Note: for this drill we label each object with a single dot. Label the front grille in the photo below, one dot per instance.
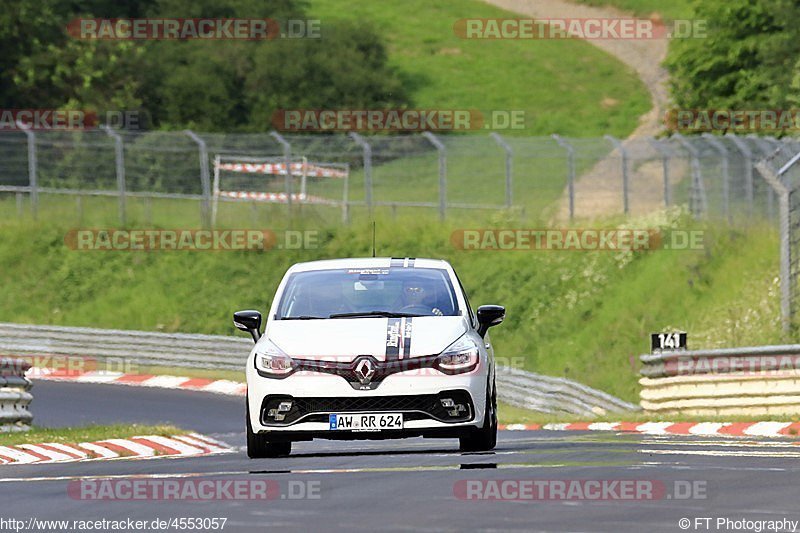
(417, 407)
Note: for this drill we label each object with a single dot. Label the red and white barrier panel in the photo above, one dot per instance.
(715, 429)
(144, 447)
(219, 386)
(275, 197)
(279, 169)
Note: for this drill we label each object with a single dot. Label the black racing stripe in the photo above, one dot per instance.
(393, 339)
(407, 337)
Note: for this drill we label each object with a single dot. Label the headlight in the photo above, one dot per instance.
(271, 360)
(461, 356)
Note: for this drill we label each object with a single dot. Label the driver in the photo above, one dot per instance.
(416, 295)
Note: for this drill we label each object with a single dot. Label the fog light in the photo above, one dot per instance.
(278, 418)
(272, 412)
(447, 402)
(284, 406)
(453, 412)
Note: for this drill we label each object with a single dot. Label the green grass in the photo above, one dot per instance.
(669, 9)
(565, 86)
(582, 315)
(77, 435)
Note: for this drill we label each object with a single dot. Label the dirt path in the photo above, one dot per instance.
(598, 190)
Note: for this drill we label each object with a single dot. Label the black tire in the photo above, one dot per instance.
(259, 447)
(485, 438)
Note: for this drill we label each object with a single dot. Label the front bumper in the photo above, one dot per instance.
(315, 396)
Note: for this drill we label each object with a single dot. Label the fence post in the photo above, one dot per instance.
(442, 171)
(570, 172)
(665, 154)
(747, 153)
(287, 160)
(726, 178)
(367, 155)
(33, 168)
(205, 181)
(215, 192)
(624, 161)
(509, 161)
(119, 161)
(698, 203)
(774, 180)
(768, 149)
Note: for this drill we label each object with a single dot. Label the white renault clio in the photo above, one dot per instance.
(370, 348)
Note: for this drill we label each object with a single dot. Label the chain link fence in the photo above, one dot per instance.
(547, 178)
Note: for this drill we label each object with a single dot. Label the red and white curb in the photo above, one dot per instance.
(219, 386)
(144, 447)
(235, 388)
(704, 429)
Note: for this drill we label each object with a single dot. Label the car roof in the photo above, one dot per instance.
(370, 262)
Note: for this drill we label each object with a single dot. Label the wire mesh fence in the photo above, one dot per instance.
(545, 177)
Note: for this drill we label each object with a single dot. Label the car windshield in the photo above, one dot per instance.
(360, 292)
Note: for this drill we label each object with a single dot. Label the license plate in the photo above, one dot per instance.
(366, 421)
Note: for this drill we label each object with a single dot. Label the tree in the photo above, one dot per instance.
(746, 60)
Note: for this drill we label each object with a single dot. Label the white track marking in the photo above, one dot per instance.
(766, 429)
(166, 382)
(224, 386)
(138, 449)
(654, 428)
(181, 447)
(102, 451)
(18, 455)
(706, 428)
(67, 449)
(604, 426)
(50, 454)
(99, 377)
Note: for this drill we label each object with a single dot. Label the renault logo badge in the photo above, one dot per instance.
(365, 369)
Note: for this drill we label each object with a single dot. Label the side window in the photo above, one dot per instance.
(471, 315)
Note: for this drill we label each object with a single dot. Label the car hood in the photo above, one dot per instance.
(347, 338)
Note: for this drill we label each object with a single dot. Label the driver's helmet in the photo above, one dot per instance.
(416, 291)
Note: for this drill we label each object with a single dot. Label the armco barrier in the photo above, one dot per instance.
(15, 395)
(555, 395)
(758, 380)
(516, 387)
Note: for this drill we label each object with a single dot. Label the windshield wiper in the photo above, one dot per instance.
(387, 314)
(303, 317)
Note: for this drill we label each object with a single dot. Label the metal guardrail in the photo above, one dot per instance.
(15, 395)
(136, 347)
(517, 387)
(756, 380)
(555, 395)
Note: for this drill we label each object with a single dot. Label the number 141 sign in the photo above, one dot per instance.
(667, 342)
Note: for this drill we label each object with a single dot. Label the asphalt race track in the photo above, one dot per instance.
(404, 485)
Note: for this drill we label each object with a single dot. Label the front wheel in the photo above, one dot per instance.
(485, 438)
(259, 447)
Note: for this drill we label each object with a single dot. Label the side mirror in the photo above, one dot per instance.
(249, 321)
(488, 316)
